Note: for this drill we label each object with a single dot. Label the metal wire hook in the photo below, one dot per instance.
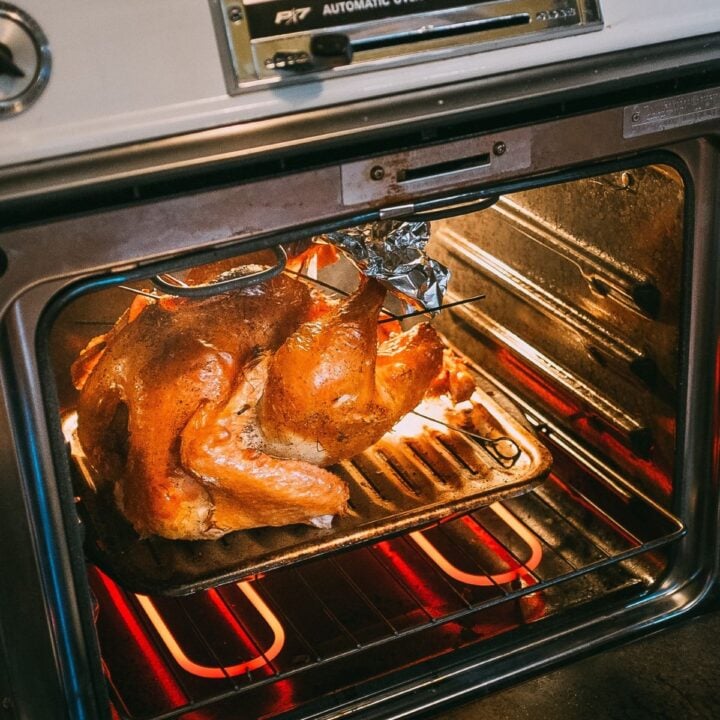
(493, 446)
(445, 306)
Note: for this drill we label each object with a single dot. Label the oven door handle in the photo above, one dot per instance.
(173, 286)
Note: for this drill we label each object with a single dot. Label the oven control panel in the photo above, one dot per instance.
(284, 41)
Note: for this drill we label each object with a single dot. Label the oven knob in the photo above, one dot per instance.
(24, 60)
(7, 64)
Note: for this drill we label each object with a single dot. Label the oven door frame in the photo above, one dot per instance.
(54, 663)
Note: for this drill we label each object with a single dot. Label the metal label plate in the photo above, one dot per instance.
(441, 167)
(669, 113)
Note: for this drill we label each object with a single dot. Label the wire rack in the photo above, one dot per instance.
(397, 602)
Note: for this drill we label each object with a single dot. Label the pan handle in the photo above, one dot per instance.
(173, 286)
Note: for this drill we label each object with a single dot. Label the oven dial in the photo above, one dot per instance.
(24, 60)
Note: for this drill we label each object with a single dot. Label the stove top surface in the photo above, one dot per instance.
(132, 71)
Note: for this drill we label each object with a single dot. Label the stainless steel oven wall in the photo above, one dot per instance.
(46, 611)
(582, 304)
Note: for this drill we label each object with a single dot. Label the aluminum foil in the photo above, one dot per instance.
(393, 252)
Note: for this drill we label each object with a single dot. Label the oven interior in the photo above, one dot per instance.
(578, 335)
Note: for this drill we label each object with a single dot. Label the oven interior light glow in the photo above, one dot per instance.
(414, 425)
(584, 423)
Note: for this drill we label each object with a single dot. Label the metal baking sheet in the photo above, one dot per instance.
(420, 474)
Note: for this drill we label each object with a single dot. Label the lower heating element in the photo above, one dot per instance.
(272, 644)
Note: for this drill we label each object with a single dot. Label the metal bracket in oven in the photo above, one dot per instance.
(436, 168)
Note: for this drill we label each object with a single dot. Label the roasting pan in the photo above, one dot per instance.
(420, 473)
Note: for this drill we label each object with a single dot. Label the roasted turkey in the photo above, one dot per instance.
(208, 416)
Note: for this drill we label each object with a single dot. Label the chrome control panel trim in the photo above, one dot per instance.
(275, 42)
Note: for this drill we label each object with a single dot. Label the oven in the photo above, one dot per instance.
(560, 159)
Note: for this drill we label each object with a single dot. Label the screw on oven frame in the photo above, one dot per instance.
(235, 13)
(635, 117)
(499, 148)
(377, 172)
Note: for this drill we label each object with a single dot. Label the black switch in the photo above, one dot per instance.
(7, 66)
(331, 49)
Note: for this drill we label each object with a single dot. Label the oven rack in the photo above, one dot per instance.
(594, 541)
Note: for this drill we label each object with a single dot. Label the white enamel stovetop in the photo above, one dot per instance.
(138, 69)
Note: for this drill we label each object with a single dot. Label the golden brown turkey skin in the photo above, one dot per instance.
(331, 392)
(214, 415)
(154, 374)
(251, 488)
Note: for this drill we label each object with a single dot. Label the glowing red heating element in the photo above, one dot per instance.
(218, 672)
(520, 571)
(523, 570)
